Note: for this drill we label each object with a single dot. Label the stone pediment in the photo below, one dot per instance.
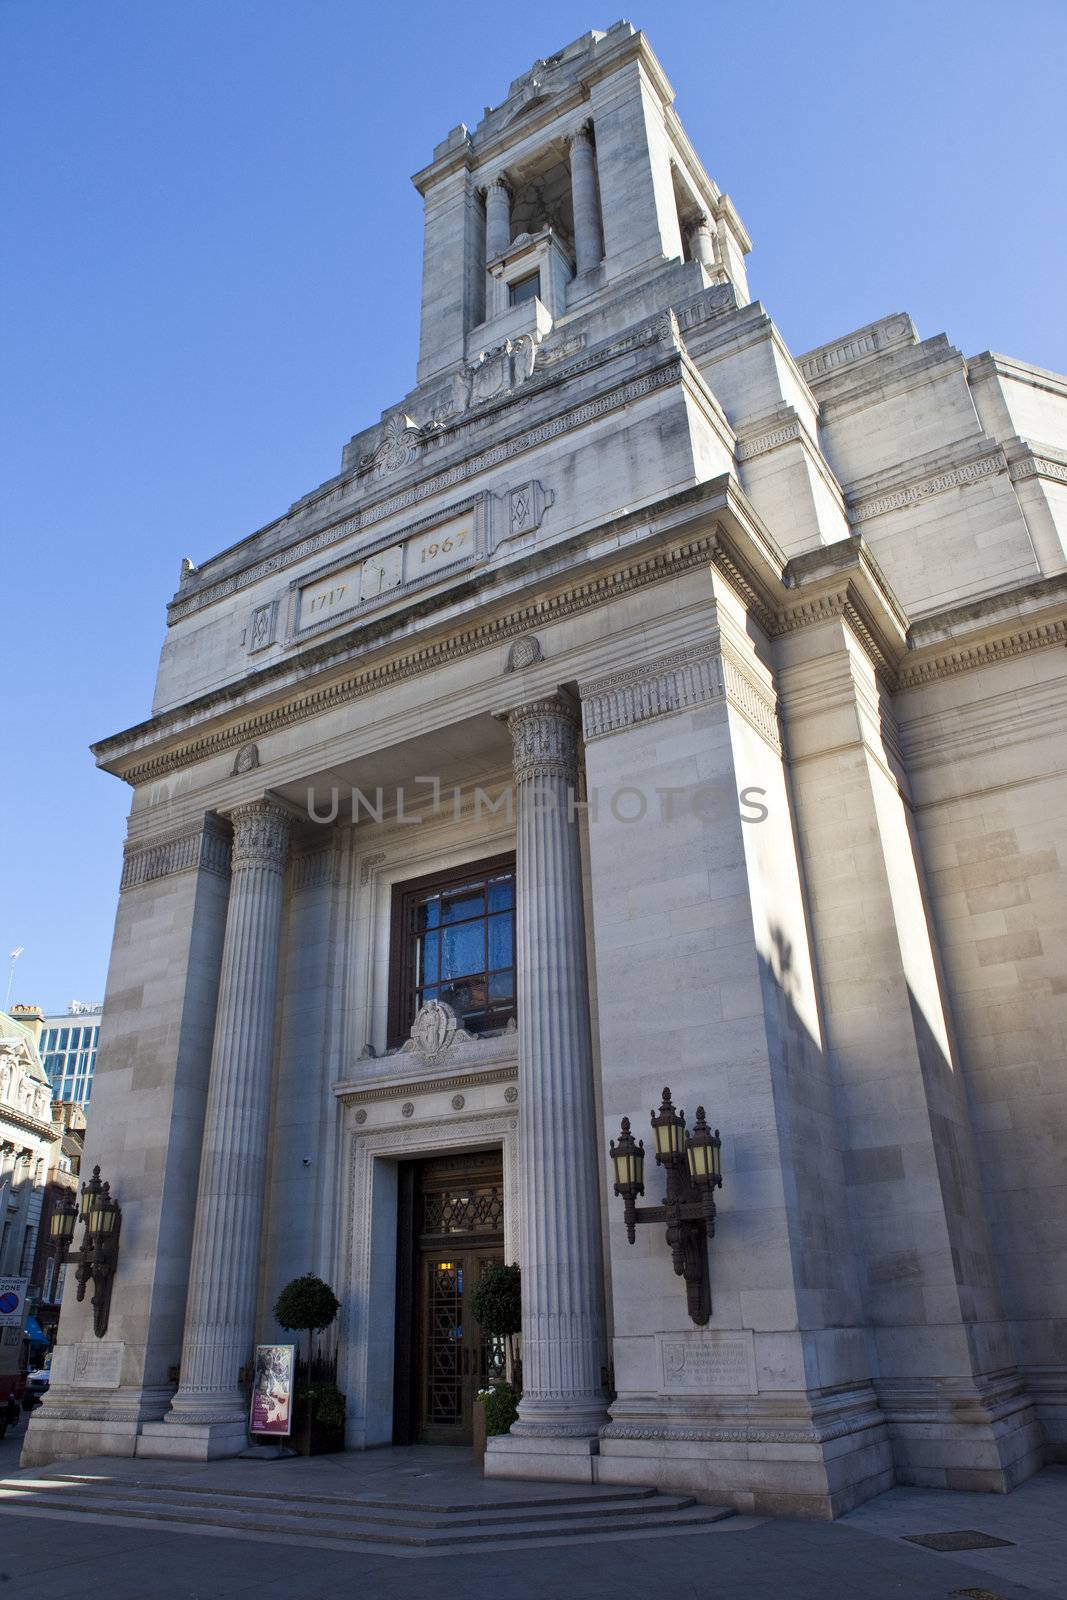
(438, 1048)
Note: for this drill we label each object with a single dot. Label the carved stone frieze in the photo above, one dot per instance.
(314, 868)
(1037, 466)
(260, 835)
(956, 477)
(758, 444)
(204, 849)
(427, 488)
(701, 674)
(856, 347)
(675, 682)
(607, 587)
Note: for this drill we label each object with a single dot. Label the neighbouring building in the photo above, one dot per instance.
(68, 1048)
(49, 1270)
(27, 1138)
(640, 704)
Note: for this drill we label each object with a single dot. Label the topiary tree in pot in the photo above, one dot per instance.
(307, 1304)
(497, 1304)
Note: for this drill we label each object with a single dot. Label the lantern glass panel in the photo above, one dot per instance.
(103, 1219)
(699, 1161)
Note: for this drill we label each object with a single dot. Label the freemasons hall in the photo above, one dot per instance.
(647, 722)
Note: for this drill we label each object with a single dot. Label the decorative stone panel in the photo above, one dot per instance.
(205, 849)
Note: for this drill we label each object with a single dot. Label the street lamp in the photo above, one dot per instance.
(101, 1218)
(694, 1171)
(63, 1221)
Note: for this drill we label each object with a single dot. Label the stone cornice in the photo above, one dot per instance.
(205, 849)
(829, 359)
(784, 427)
(844, 580)
(927, 484)
(980, 633)
(983, 653)
(1041, 463)
(355, 1092)
(989, 364)
(28, 1124)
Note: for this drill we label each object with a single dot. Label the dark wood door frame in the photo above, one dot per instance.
(441, 1178)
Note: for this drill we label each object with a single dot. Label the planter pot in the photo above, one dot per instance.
(311, 1438)
(479, 1431)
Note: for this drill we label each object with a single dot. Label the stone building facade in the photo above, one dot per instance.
(26, 1143)
(641, 703)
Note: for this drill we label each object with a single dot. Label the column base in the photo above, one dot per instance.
(74, 1423)
(976, 1434)
(566, 1459)
(816, 1457)
(192, 1441)
(1047, 1389)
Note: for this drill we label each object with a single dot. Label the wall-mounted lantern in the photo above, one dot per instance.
(694, 1172)
(101, 1217)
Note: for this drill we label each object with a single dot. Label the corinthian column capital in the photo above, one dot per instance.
(544, 738)
(260, 835)
(582, 136)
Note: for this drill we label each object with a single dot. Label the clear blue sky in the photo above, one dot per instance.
(210, 280)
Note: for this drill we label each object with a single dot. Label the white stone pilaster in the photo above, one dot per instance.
(588, 241)
(562, 1293)
(220, 1310)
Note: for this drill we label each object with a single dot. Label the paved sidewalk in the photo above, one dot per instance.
(861, 1557)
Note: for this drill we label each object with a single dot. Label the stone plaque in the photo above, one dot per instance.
(707, 1363)
(97, 1366)
(438, 547)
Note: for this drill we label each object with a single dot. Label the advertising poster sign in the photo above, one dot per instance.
(272, 1389)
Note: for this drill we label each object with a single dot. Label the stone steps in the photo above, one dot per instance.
(336, 1520)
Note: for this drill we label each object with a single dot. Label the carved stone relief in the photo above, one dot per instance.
(524, 653)
(435, 1029)
(260, 631)
(246, 759)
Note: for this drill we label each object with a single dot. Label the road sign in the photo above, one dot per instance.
(12, 1301)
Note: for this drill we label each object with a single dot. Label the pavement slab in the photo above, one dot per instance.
(864, 1556)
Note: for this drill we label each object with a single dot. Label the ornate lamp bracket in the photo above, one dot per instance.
(101, 1218)
(691, 1161)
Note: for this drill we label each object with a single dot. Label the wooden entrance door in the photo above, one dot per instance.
(451, 1217)
(457, 1360)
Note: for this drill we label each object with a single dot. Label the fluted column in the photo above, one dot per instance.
(497, 219)
(220, 1310)
(562, 1280)
(701, 244)
(588, 243)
